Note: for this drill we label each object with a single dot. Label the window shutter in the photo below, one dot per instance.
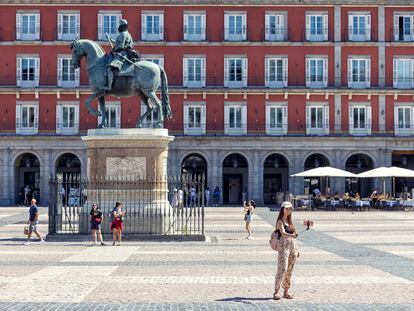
(36, 116)
(368, 26)
(285, 71)
(244, 26)
(77, 77)
(351, 120)
(78, 25)
(203, 118)
(100, 118)
(411, 119)
(326, 119)
(59, 77)
(396, 27)
(395, 73)
(244, 119)
(412, 28)
(185, 72)
(203, 72)
(325, 27)
(369, 120)
(307, 72)
(267, 120)
(226, 26)
(185, 26)
(350, 27)
(76, 118)
(325, 72)
(368, 72)
(18, 26)
(186, 111)
(18, 120)
(245, 71)
(349, 72)
(267, 71)
(118, 116)
(226, 72)
(58, 118)
(285, 119)
(267, 26)
(60, 26)
(203, 27)
(37, 71)
(412, 73)
(161, 26)
(18, 71)
(226, 120)
(308, 119)
(143, 29)
(37, 27)
(396, 119)
(119, 18)
(100, 27)
(280, 26)
(308, 27)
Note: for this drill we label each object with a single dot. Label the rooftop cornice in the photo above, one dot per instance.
(214, 2)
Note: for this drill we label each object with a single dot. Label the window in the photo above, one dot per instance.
(67, 75)
(317, 120)
(404, 27)
(359, 27)
(276, 71)
(317, 27)
(108, 23)
(151, 119)
(359, 72)
(67, 118)
(68, 26)
(316, 72)
(402, 120)
(360, 120)
(403, 73)
(235, 26)
(195, 119)
(194, 70)
(235, 72)
(27, 26)
(275, 27)
(27, 71)
(194, 26)
(276, 119)
(152, 26)
(159, 60)
(113, 115)
(235, 120)
(27, 118)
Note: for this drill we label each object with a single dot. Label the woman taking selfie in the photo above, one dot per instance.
(249, 208)
(287, 250)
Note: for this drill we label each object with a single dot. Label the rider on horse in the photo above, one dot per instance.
(122, 49)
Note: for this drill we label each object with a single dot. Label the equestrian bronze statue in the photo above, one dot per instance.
(122, 74)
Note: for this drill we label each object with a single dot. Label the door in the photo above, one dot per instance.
(271, 185)
(233, 185)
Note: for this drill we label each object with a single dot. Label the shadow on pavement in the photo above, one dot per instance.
(244, 299)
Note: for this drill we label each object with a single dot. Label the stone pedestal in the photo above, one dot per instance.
(129, 166)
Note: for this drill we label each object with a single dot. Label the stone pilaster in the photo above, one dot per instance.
(338, 112)
(381, 113)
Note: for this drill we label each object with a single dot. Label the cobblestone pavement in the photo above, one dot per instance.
(359, 261)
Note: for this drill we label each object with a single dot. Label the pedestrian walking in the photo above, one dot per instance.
(26, 195)
(33, 222)
(181, 199)
(21, 197)
(249, 207)
(288, 251)
(216, 196)
(192, 196)
(96, 221)
(207, 195)
(117, 223)
(174, 198)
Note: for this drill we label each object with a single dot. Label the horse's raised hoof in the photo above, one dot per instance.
(158, 126)
(138, 125)
(101, 126)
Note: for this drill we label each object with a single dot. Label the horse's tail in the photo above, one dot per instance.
(164, 95)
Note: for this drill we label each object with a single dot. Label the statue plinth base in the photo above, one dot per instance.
(129, 166)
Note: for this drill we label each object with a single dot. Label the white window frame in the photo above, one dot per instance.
(235, 84)
(403, 131)
(68, 36)
(24, 130)
(323, 36)
(406, 37)
(194, 36)
(19, 27)
(359, 84)
(360, 131)
(201, 130)
(282, 130)
(280, 31)
(117, 106)
(152, 36)
(19, 74)
(60, 129)
(148, 123)
(366, 35)
(235, 37)
(409, 83)
(235, 130)
(324, 129)
(284, 81)
(101, 30)
(158, 59)
(186, 74)
(60, 82)
(317, 84)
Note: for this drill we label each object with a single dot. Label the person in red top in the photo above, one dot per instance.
(117, 223)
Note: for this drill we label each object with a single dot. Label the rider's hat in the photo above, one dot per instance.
(123, 22)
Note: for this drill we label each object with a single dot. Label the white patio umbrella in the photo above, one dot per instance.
(384, 172)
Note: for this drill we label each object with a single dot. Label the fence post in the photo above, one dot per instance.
(52, 211)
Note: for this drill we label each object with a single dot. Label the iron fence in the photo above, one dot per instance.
(167, 207)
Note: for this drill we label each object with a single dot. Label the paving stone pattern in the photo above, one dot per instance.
(359, 261)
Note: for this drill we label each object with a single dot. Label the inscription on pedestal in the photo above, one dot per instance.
(126, 166)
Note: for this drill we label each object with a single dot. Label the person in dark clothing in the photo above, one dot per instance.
(96, 221)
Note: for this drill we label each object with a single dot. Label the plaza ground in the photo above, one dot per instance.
(359, 261)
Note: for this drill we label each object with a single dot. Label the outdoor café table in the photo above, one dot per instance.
(362, 203)
(407, 203)
(335, 202)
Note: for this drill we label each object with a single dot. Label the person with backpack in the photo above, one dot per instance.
(117, 215)
(249, 208)
(287, 252)
(96, 221)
